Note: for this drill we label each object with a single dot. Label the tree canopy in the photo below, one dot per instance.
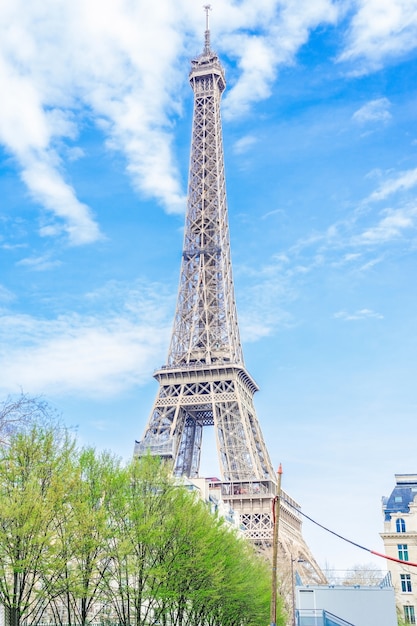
(87, 539)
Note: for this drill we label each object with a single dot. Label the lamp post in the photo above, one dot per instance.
(275, 515)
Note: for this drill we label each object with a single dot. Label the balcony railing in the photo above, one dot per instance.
(312, 617)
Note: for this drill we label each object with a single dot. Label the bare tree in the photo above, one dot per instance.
(363, 574)
(17, 413)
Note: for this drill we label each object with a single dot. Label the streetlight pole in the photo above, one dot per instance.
(275, 515)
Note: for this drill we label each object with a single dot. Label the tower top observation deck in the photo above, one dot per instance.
(207, 62)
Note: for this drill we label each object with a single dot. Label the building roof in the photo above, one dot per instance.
(403, 494)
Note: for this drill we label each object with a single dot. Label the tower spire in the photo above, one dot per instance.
(207, 9)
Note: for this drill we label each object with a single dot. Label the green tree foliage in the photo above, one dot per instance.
(137, 545)
(82, 537)
(176, 563)
(86, 539)
(33, 473)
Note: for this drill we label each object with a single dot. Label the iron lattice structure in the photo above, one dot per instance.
(205, 382)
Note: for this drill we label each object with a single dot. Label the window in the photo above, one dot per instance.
(405, 583)
(402, 551)
(400, 523)
(409, 615)
(398, 499)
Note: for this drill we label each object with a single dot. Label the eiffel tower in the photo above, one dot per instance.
(205, 381)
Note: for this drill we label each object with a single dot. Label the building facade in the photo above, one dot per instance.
(400, 541)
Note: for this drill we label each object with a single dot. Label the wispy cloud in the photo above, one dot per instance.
(10, 246)
(273, 212)
(243, 144)
(373, 111)
(402, 181)
(380, 30)
(264, 36)
(391, 226)
(344, 241)
(40, 263)
(122, 65)
(89, 354)
(351, 256)
(267, 293)
(371, 263)
(48, 188)
(6, 295)
(28, 131)
(52, 61)
(362, 314)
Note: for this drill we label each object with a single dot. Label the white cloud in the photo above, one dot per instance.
(351, 256)
(362, 314)
(116, 61)
(9, 246)
(273, 212)
(49, 189)
(39, 263)
(401, 182)
(92, 355)
(6, 295)
(27, 130)
(373, 111)
(281, 28)
(367, 227)
(123, 64)
(87, 357)
(370, 264)
(243, 144)
(390, 227)
(267, 292)
(380, 30)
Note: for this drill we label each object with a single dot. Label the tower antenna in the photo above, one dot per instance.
(207, 8)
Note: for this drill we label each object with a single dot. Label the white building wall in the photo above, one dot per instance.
(361, 606)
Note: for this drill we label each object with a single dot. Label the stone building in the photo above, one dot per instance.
(400, 541)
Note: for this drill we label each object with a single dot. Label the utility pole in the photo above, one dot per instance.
(275, 515)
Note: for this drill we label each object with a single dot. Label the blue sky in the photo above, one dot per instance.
(320, 138)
